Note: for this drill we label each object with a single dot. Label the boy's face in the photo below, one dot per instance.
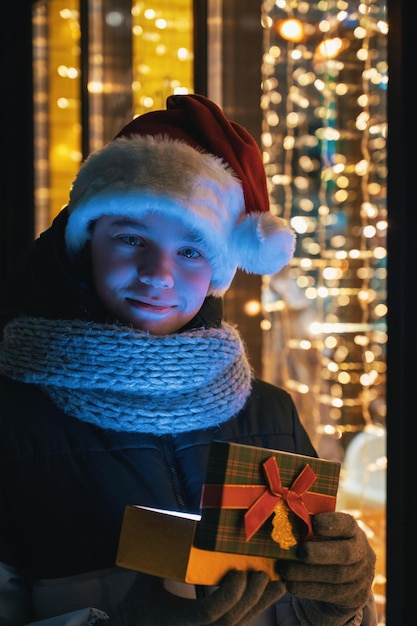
(149, 272)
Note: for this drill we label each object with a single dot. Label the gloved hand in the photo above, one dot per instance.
(333, 580)
(240, 597)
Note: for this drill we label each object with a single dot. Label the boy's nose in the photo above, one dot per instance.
(155, 280)
(157, 273)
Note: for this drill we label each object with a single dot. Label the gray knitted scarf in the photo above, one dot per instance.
(127, 380)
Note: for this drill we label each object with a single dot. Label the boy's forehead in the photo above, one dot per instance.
(148, 222)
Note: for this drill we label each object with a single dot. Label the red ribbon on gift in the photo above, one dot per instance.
(264, 506)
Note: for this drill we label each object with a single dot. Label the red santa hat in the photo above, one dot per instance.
(189, 161)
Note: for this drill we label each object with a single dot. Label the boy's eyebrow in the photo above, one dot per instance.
(126, 221)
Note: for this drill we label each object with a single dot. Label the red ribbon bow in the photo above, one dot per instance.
(264, 506)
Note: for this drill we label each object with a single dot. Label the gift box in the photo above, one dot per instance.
(257, 501)
(161, 543)
(256, 506)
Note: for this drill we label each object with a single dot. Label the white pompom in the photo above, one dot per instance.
(264, 243)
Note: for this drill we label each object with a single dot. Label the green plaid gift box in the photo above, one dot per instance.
(258, 502)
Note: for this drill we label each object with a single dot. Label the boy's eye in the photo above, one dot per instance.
(190, 253)
(131, 240)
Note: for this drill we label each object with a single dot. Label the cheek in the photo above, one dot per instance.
(198, 286)
(107, 273)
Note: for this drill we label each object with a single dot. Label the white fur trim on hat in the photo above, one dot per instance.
(141, 174)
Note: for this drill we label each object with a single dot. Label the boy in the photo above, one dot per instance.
(117, 372)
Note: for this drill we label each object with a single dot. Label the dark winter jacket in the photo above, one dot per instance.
(63, 478)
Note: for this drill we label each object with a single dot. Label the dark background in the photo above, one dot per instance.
(16, 232)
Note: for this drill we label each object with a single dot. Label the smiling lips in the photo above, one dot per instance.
(151, 306)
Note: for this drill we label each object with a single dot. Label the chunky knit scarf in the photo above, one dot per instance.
(127, 380)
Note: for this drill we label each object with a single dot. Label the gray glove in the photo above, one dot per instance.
(333, 581)
(240, 597)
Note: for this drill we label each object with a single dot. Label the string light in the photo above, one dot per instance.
(324, 141)
(163, 36)
(324, 144)
(290, 29)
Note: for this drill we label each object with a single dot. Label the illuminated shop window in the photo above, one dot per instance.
(97, 64)
(57, 104)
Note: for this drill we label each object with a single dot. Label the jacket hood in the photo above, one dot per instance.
(43, 284)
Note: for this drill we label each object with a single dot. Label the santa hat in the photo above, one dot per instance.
(189, 161)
